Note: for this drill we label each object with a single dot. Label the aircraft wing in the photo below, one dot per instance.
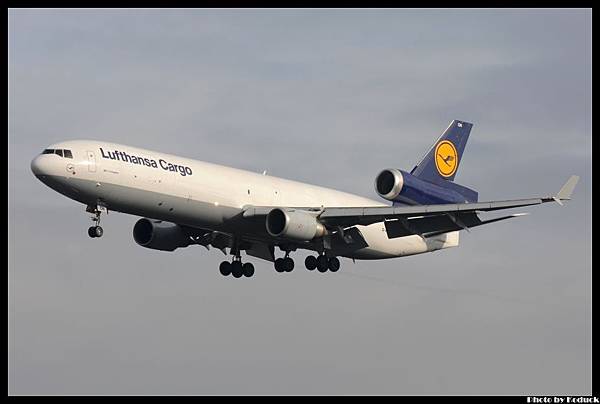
(424, 220)
(350, 216)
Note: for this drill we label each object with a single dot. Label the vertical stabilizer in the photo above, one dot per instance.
(441, 163)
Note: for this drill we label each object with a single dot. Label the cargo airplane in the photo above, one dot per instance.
(185, 202)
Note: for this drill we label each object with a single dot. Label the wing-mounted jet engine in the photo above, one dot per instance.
(293, 224)
(159, 235)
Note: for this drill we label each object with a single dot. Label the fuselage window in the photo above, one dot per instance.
(68, 154)
(59, 152)
(48, 151)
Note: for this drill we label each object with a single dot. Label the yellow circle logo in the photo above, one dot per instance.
(446, 158)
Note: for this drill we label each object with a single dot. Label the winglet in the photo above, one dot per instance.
(567, 189)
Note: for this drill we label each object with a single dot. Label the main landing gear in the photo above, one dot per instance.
(285, 264)
(95, 231)
(236, 268)
(322, 263)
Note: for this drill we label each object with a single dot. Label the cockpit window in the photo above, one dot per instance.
(59, 152)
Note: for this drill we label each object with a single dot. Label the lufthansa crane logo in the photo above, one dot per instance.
(446, 158)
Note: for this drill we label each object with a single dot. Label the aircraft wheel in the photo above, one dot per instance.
(225, 268)
(236, 269)
(279, 267)
(288, 264)
(322, 263)
(310, 262)
(248, 269)
(92, 232)
(333, 264)
(98, 231)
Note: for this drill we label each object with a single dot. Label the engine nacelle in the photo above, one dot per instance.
(400, 186)
(159, 235)
(389, 183)
(294, 225)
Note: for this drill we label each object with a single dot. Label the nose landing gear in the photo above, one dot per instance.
(96, 230)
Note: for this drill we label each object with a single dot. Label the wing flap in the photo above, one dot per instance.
(430, 226)
(427, 224)
(353, 240)
(369, 215)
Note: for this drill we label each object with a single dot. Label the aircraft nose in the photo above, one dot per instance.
(39, 166)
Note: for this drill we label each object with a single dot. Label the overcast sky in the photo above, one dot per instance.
(326, 97)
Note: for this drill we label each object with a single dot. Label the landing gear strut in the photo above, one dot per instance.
(95, 231)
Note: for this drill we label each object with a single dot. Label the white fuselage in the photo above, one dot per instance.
(199, 194)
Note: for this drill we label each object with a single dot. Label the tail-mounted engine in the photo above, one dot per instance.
(399, 186)
(389, 183)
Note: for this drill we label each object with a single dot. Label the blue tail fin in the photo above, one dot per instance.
(440, 164)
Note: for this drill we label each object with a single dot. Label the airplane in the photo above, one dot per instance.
(186, 202)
